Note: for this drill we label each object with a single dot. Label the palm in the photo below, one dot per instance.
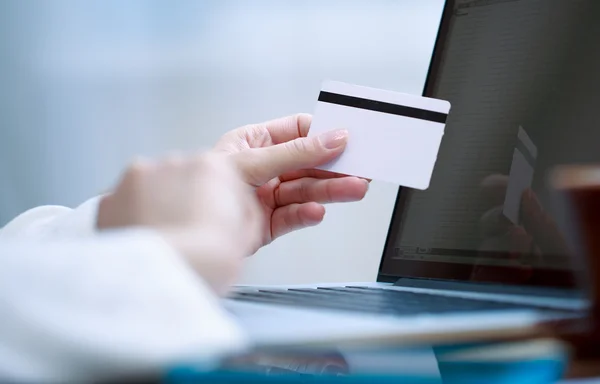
(273, 198)
(294, 199)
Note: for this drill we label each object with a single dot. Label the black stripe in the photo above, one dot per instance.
(380, 106)
(525, 152)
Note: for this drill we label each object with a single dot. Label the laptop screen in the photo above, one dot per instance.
(523, 78)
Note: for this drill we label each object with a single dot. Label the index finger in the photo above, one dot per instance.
(313, 173)
(288, 128)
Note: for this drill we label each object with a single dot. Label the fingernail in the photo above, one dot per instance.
(334, 139)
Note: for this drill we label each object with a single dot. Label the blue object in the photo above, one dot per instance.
(526, 372)
(543, 370)
(187, 376)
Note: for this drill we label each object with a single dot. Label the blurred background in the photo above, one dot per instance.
(87, 85)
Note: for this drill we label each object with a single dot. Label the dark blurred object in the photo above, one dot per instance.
(578, 188)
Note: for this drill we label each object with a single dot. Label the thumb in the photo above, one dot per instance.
(260, 165)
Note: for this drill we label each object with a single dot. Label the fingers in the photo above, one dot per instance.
(494, 223)
(269, 133)
(493, 190)
(307, 189)
(509, 247)
(313, 173)
(288, 128)
(295, 216)
(262, 164)
(541, 225)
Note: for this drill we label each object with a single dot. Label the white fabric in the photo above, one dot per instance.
(51, 221)
(77, 305)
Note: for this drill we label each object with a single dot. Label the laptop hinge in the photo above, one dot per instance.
(462, 286)
(410, 282)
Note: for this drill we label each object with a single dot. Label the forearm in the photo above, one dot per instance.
(106, 305)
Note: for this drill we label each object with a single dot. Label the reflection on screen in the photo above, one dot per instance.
(523, 81)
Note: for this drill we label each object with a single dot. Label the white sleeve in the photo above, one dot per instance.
(47, 222)
(104, 306)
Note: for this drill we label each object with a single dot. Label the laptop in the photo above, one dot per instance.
(482, 251)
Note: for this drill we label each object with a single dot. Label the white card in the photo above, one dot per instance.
(520, 176)
(393, 137)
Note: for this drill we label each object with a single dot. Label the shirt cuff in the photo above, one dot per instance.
(49, 222)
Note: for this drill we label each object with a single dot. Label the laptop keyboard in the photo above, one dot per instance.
(370, 300)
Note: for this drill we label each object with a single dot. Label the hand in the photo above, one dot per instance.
(278, 160)
(536, 237)
(199, 204)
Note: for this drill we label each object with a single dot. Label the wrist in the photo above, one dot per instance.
(209, 253)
